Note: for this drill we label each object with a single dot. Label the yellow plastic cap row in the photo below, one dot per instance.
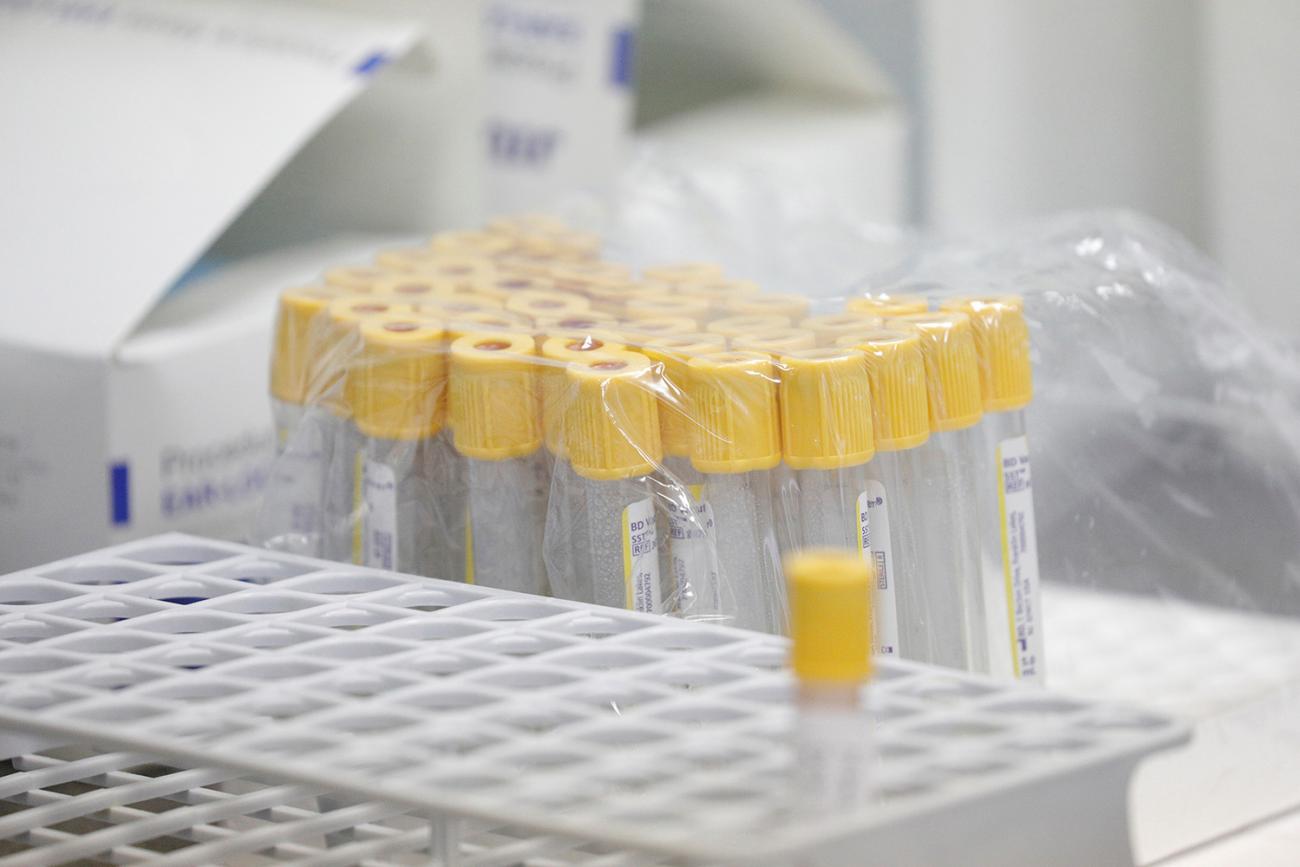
(737, 422)
(611, 425)
(830, 616)
(1002, 341)
(825, 409)
(952, 370)
(396, 384)
(494, 396)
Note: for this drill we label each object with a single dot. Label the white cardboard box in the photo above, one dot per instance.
(138, 130)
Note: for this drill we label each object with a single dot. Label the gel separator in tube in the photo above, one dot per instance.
(735, 444)
(1009, 539)
(496, 420)
(947, 488)
(601, 531)
(411, 514)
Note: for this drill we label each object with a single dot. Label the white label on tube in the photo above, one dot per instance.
(1020, 556)
(874, 544)
(641, 556)
(379, 493)
(691, 555)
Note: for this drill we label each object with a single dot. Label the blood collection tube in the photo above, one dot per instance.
(601, 533)
(1010, 543)
(735, 444)
(948, 485)
(495, 416)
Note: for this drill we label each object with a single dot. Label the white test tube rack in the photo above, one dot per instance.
(380, 713)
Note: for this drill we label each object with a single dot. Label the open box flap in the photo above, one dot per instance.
(138, 130)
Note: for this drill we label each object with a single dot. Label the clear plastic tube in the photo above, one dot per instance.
(291, 507)
(601, 540)
(507, 515)
(409, 518)
(1009, 548)
(749, 566)
(949, 593)
(898, 601)
(829, 504)
(687, 564)
(342, 446)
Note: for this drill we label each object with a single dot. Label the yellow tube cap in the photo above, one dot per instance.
(641, 331)
(535, 304)
(578, 276)
(674, 354)
(952, 370)
(611, 426)
(396, 384)
(683, 272)
(885, 305)
(720, 293)
(825, 409)
(495, 406)
(794, 307)
(493, 320)
(291, 359)
(1002, 341)
(356, 279)
(830, 616)
(735, 326)
(486, 244)
(660, 305)
(573, 323)
(900, 407)
(734, 400)
(831, 327)
(775, 341)
(558, 352)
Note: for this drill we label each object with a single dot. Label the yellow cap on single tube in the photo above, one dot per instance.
(292, 358)
(830, 616)
(641, 331)
(611, 425)
(735, 326)
(675, 354)
(734, 406)
(885, 305)
(1002, 341)
(825, 409)
(486, 244)
(830, 327)
(900, 406)
(683, 272)
(358, 279)
(460, 324)
(656, 306)
(495, 405)
(396, 384)
(719, 293)
(795, 307)
(775, 341)
(952, 371)
(558, 352)
(536, 304)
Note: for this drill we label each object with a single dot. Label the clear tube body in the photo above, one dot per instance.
(785, 509)
(507, 516)
(950, 586)
(1009, 548)
(833, 749)
(828, 504)
(687, 566)
(290, 512)
(342, 452)
(899, 617)
(601, 540)
(409, 517)
(751, 582)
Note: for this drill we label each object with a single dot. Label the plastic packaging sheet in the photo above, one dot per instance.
(652, 411)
